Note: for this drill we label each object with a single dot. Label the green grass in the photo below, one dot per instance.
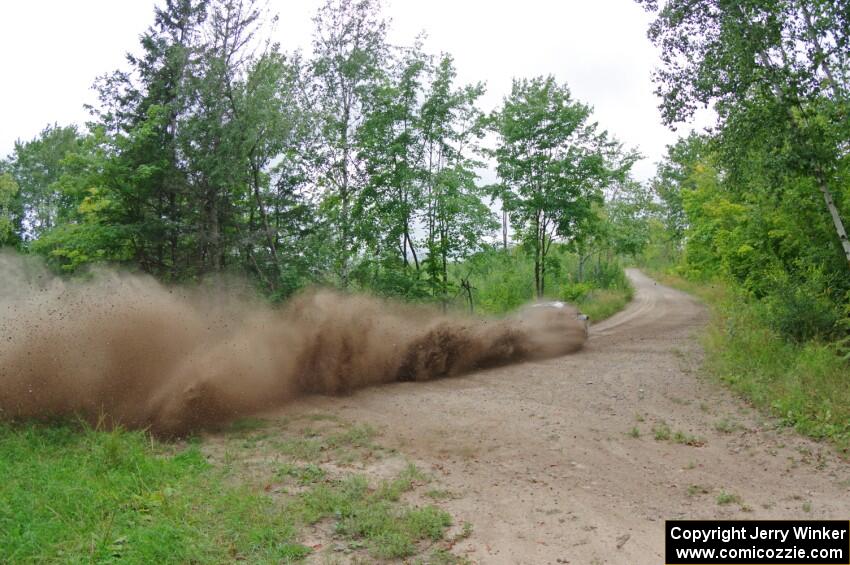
(503, 282)
(71, 494)
(687, 439)
(725, 498)
(300, 448)
(662, 432)
(604, 303)
(372, 515)
(804, 385)
(355, 436)
(696, 490)
(440, 494)
(345, 445)
(444, 557)
(726, 426)
(247, 425)
(306, 474)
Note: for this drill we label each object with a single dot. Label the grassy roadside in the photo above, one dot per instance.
(504, 281)
(71, 494)
(804, 385)
(604, 303)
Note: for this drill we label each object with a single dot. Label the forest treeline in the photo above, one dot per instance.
(760, 200)
(753, 210)
(357, 166)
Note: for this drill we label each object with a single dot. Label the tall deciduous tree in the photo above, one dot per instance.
(457, 221)
(674, 175)
(36, 167)
(349, 47)
(275, 146)
(8, 213)
(391, 150)
(554, 164)
(778, 74)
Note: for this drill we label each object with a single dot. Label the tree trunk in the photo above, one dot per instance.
(822, 185)
(173, 233)
(538, 250)
(836, 219)
(345, 196)
(827, 195)
(542, 275)
(537, 274)
(582, 259)
(344, 229)
(215, 236)
(504, 228)
(270, 237)
(445, 282)
(412, 251)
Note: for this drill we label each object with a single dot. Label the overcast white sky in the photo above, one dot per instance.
(51, 51)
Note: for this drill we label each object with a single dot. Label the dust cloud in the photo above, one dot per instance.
(123, 348)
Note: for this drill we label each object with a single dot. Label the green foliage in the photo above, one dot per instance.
(8, 201)
(800, 310)
(803, 384)
(77, 495)
(662, 432)
(457, 219)
(350, 48)
(625, 229)
(725, 498)
(553, 165)
(760, 201)
(772, 249)
(354, 168)
(674, 176)
(37, 167)
(372, 515)
(502, 281)
(572, 292)
(604, 303)
(416, 139)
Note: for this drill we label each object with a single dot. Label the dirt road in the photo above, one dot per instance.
(543, 458)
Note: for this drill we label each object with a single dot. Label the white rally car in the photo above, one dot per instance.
(584, 318)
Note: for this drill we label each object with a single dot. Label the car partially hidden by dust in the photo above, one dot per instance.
(567, 310)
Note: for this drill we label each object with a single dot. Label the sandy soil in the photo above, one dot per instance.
(544, 464)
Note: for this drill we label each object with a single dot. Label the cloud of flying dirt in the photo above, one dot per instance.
(175, 360)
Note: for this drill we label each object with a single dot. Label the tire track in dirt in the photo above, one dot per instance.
(542, 457)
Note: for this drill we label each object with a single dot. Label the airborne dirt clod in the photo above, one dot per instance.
(126, 348)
